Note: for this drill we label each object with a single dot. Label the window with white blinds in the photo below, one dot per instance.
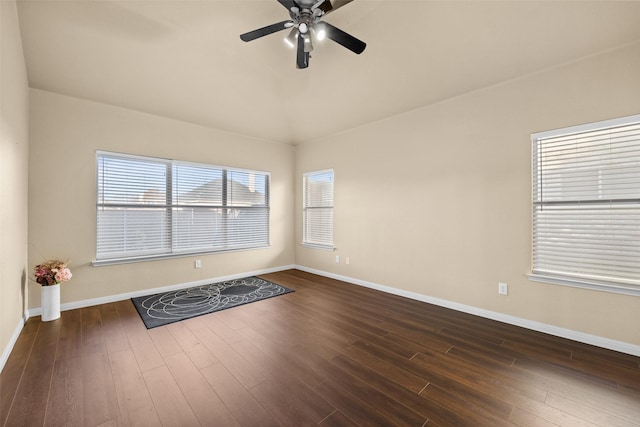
(317, 209)
(149, 208)
(586, 205)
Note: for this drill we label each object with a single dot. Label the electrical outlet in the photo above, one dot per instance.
(197, 264)
(503, 289)
(346, 261)
(338, 259)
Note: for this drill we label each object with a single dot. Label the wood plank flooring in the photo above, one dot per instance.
(329, 354)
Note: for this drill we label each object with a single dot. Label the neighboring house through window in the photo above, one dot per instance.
(317, 210)
(586, 206)
(154, 208)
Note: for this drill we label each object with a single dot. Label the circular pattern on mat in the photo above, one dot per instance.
(205, 299)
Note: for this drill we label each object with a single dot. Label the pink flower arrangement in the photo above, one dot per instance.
(52, 272)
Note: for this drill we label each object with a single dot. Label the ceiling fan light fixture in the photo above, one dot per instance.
(290, 40)
(320, 32)
(308, 46)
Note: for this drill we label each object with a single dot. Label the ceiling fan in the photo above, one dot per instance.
(306, 23)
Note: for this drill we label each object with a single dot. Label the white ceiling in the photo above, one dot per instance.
(185, 60)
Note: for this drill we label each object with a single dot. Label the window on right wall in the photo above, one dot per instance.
(586, 206)
(317, 209)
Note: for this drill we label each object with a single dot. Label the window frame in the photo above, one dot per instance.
(618, 284)
(172, 204)
(306, 208)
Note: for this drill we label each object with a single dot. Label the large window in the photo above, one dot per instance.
(318, 209)
(586, 206)
(150, 208)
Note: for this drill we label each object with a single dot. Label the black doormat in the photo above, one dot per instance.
(169, 307)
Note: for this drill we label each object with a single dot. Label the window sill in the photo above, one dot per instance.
(612, 287)
(321, 247)
(114, 261)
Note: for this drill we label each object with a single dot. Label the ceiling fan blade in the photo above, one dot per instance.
(332, 5)
(264, 31)
(344, 39)
(302, 57)
(326, 6)
(287, 3)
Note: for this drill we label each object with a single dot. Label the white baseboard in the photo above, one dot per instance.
(120, 297)
(595, 340)
(12, 342)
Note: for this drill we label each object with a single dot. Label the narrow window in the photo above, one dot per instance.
(318, 209)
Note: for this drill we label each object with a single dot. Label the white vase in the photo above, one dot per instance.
(50, 301)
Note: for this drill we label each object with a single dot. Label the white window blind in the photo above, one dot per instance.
(586, 203)
(318, 209)
(148, 207)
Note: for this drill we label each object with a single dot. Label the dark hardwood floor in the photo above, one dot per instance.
(329, 354)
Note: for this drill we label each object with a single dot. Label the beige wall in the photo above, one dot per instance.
(437, 201)
(14, 147)
(65, 133)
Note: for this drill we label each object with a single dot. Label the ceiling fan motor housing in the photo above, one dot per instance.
(305, 18)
